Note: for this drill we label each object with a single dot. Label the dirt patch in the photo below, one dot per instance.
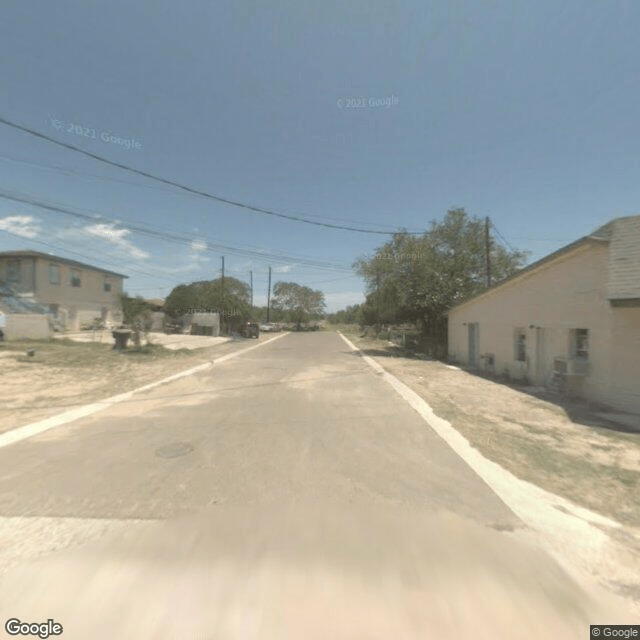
(63, 374)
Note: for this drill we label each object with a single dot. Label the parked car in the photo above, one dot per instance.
(251, 330)
(267, 326)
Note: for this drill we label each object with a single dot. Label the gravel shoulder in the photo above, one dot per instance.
(64, 374)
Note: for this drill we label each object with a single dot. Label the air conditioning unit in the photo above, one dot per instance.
(570, 367)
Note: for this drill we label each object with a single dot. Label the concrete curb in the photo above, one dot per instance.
(35, 428)
(571, 533)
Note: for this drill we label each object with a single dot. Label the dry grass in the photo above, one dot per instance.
(64, 374)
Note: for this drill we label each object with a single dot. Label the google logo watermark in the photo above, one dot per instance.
(367, 102)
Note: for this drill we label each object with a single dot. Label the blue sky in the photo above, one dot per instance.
(524, 112)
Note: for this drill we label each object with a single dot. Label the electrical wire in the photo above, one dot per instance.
(192, 190)
(211, 247)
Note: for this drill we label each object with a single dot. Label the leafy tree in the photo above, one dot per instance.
(351, 315)
(419, 278)
(232, 300)
(299, 303)
(136, 313)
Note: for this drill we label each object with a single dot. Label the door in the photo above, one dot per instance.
(473, 343)
(540, 357)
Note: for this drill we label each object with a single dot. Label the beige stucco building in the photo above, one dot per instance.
(571, 318)
(75, 293)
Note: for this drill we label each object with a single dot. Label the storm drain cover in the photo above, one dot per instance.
(174, 450)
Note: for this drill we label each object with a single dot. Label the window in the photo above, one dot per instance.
(54, 274)
(13, 271)
(580, 344)
(520, 344)
(74, 278)
(107, 286)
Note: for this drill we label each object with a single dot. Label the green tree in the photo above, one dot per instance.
(136, 313)
(419, 278)
(231, 299)
(351, 315)
(299, 303)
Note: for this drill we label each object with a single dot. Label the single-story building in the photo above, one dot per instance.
(22, 317)
(571, 318)
(204, 323)
(74, 293)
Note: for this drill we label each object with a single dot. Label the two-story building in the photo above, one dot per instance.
(75, 293)
(572, 317)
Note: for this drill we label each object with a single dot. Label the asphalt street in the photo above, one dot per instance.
(288, 492)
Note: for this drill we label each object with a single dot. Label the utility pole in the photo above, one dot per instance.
(269, 296)
(222, 293)
(487, 243)
(251, 277)
(377, 300)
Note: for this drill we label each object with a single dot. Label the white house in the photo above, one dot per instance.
(572, 317)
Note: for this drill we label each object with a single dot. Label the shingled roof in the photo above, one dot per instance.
(623, 281)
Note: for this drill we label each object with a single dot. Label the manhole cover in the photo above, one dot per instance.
(174, 450)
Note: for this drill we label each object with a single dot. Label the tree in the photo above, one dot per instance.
(232, 300)
(419, 278)
(351, 315)
(136, 313)
(300, 303)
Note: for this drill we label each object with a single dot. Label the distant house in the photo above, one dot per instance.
(73, 292)
(572, 318)
(22, 317)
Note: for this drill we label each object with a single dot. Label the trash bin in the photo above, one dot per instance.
(121, 337)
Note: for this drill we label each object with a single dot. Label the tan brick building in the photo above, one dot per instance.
(573, 317)
(75, 293)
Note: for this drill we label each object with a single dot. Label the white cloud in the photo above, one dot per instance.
(284, 269)
(198, 246)
(117, 237)
(25, 226)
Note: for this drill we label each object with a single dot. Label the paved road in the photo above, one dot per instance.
(253, 499)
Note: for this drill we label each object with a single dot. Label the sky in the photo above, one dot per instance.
(371, 115)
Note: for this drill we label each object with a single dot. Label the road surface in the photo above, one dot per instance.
(286, 493)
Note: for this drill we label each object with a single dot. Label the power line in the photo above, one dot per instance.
(176, 238)
(493, 226)
(81, 174)
(191, 189)
(80, 255)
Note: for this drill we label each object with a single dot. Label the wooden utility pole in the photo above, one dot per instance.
(377, 301)
(487, 242)
(269, 296)
(251, 278)
(222, 294)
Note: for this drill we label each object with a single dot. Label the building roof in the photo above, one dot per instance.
(13, 303)
(623, 281)
(623, 236)
(48, 256)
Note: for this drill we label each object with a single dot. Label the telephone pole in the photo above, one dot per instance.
(251, 278)
(222, 293)
(487, 242)
(377, 300)
(269, 296)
